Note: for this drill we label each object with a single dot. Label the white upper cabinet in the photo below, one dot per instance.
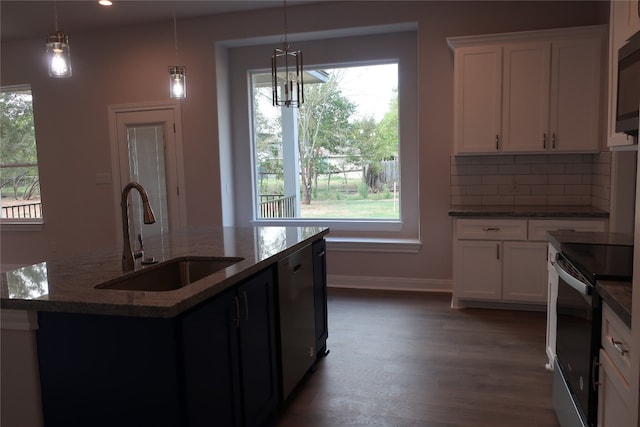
(624, 21)
(529, 92)
(527, 77)
(477, 101)
(575, 105)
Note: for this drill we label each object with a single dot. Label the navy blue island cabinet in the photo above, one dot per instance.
(214, 365)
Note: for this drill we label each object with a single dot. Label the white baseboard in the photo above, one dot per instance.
(389, 283)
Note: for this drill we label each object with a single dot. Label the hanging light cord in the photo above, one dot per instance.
(55, 15)
(286, 42)
(175, 33)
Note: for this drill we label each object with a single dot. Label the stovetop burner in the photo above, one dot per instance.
(600, 262)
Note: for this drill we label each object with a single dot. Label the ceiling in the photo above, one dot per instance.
(22, 19)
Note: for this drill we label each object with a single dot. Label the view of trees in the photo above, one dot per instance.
(323, 123)
(332, 139)
(18, 157)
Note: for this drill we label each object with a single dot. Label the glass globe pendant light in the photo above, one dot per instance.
(177, 73)
(58, 52)
(177, 82)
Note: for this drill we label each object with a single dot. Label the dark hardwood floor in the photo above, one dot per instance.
(408, 359)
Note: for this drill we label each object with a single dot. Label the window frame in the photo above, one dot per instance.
(25, 224)
(396, 46)
(256, 191)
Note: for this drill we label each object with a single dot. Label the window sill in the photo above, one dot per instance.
(21, 225)
(338, 224)
(351, 244)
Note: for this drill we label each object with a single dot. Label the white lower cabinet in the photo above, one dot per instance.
(523, 278)
(477, 269)
(614, 394)
(505, 260)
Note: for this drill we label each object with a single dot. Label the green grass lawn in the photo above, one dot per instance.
(341, 199)
(351, 208)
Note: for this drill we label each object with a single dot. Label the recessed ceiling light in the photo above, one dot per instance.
(105, 2)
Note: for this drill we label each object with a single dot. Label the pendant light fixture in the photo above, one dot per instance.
(58, 53)
(286, 73)
(177, 73)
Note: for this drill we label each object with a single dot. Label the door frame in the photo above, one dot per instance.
(117, 185)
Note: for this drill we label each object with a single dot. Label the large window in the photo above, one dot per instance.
(19, 178)
(347, 159)
(337, 156)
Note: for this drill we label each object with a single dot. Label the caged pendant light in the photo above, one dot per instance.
(58, 53)
(177, 73)
(287, 84)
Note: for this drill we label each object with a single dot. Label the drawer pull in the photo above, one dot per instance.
(618, 346)
(491, 228)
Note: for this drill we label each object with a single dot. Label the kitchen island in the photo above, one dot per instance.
(209, 352)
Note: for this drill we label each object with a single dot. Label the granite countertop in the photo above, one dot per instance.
(67, 285)
(528, 211)
(617, 294)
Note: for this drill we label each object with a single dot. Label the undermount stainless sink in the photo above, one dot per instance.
(170, 275)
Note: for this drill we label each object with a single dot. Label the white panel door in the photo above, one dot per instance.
(149, 152)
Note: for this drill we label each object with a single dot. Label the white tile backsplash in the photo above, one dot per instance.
(540, 180)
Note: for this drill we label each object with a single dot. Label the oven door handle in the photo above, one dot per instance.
(576, 284)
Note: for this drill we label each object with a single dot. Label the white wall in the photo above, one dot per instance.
(130, 65)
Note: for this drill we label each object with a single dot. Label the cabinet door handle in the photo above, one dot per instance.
(497, 141)
(498, 251)
(244, 298)
(544, 140)
(618, 346)
(553, 140)
(491, 229)
(236, 306)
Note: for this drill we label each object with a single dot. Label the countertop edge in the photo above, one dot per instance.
(157, 311)
(617, 295)
(527, 212)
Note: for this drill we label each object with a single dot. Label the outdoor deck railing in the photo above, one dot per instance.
(277, 206)
(28, 210)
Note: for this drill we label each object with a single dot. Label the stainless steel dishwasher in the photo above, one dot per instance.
(297, 321)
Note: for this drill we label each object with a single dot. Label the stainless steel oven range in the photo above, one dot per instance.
(575, 383)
